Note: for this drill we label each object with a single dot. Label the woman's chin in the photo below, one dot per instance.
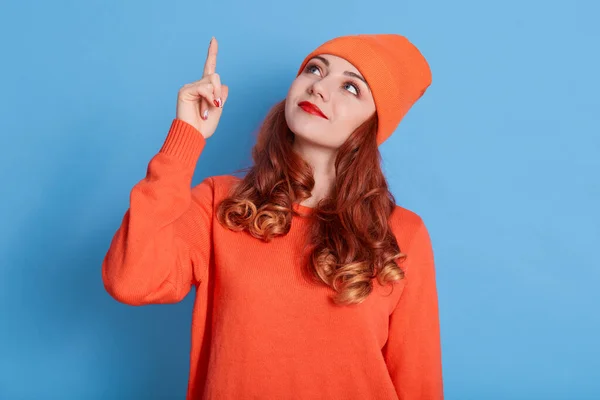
(306, 130)
(310, 126)
(313, 139)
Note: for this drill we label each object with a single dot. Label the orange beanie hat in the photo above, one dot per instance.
(394, 68)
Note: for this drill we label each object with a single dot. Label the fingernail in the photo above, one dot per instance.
(218, 102)
(205, 115)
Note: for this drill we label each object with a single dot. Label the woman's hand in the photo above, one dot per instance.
(200, 103)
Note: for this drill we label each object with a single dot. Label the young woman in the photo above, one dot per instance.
(311, 283)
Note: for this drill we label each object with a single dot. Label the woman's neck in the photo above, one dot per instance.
(322, 162)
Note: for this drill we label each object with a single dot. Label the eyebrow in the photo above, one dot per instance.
(326, 62)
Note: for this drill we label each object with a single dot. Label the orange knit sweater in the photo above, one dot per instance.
(260, 330)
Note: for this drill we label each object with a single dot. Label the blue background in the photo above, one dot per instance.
(501, 158)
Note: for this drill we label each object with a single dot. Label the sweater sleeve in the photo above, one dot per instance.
(413, 349)
(163, 245)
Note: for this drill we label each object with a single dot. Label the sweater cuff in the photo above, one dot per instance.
(183, 142)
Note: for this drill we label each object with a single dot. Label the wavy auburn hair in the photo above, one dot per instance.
(350, 242)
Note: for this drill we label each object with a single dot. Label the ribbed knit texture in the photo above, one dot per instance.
(260, 330)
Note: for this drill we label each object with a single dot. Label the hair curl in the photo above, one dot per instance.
(351, 242)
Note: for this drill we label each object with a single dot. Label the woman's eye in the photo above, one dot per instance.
(352, 86)
(312, 68)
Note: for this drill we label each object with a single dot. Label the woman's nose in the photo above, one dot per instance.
(319, 89)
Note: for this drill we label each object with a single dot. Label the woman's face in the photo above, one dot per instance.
(339, 91)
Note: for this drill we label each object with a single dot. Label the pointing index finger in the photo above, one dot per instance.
(211, 58)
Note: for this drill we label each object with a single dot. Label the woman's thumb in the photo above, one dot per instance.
(224, 93)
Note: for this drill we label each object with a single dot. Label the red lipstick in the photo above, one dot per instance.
(311, 109)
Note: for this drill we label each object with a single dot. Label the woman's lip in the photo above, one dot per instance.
(311, 109)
